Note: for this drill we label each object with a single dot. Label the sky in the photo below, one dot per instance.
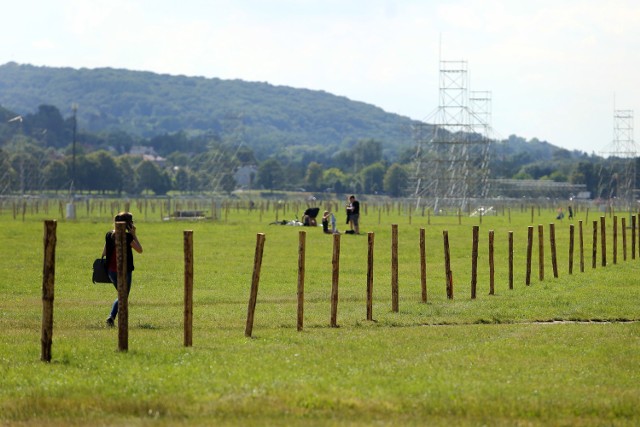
(556, 69)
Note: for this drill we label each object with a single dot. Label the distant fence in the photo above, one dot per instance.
(220, 209)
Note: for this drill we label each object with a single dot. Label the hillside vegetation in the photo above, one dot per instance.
(208, 128)
(148, 104)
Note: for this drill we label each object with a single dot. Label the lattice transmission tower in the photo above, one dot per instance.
(623, 156)
(452, 145)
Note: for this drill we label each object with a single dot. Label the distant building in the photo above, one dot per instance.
(141, 150)
(147, 153)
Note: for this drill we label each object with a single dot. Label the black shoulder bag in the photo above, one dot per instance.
(100, 271)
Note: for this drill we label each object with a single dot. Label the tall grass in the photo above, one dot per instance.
(562, 351)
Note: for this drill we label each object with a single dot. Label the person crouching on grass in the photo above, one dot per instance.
(109, 252)
(326, 218)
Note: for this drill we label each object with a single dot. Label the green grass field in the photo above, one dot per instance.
(562, 351)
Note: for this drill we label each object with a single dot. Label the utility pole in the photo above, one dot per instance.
(74, 108)
(71, 208)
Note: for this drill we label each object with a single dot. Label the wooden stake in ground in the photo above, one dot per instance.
(123, 291)
(615, 239)
(571, 238)
(302, 238)
(474, 261)
(638, 224)
(510, 259)
(447, 264)
(394, 268)
(491, 264)
(48, 286)
(603, 240)
(335, 262)
(529, 253)
(423, 264)
(370, 237)
(581, 246)
(633, 237)
(540, 252)
(594, 254)
(255, 280)
(552, 240)
(624, 238)
(188, 287)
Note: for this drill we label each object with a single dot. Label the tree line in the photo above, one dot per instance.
(44, 151)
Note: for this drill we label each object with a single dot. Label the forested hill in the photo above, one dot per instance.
(266, 117)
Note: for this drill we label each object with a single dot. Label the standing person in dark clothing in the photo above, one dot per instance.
(354, 214)
(109, 252)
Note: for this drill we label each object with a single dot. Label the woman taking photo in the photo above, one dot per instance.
(109, 252)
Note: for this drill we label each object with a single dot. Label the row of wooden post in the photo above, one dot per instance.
(48, 283)
(447, 264)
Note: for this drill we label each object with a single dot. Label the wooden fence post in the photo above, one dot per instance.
(540, 252)
(571, 238)
(394, 268)
(474, 261)
(594, 254)
(335, 262)
(188, 287)
(552, 240)
(123, 287)
(302, 237)
(581, 246)
(603, 240)
(615, 239)
(255, 280)
(510, 259)
(532, 211)
(370, 239)
(423, 264)
(529, 253)
(633, 237)
(638, 240)
(491, 264)
(623, 224)
(48, 287)
(447, 264)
